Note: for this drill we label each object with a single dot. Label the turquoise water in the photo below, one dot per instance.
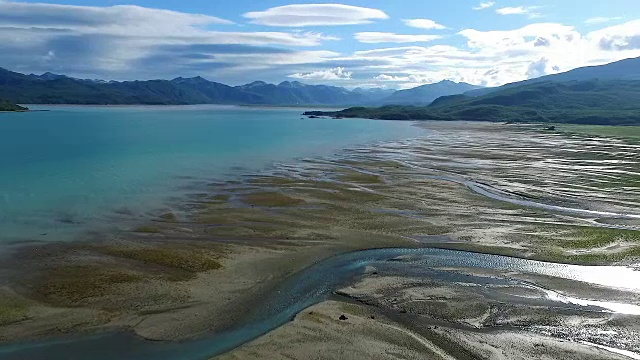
(78, 168)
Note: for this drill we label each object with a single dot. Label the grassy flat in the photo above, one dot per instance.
(630, 132)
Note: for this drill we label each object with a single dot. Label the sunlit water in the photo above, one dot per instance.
(77, 168)
(317, 282)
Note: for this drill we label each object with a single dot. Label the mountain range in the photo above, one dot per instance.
(425, 94)
(604, 95)
(50, 88)
(627, 69)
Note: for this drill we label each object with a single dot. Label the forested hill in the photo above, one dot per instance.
(605, 102)
(7, 106)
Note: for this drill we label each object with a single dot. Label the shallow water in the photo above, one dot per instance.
(596, 177)
(199, 156)
(317, 282)
(72, 169)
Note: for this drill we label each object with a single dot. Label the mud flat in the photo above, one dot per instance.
(368, 333)
(198, 269)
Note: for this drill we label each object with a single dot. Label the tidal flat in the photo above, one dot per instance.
(201, 268)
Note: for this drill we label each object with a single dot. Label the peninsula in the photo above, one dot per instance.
(7, 106)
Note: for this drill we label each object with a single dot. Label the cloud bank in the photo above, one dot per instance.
(338, 73)
(385, 37)
(315, 15)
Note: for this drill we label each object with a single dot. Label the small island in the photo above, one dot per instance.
(7, 106)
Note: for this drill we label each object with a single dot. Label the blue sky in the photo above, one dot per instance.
(373, 43)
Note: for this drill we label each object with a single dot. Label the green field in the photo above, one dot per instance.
(629, 132)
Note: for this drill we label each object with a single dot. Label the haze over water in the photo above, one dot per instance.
(78, 168)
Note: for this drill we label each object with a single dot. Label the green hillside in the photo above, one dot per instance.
(627, 69)
(7, 106)
(607, 102)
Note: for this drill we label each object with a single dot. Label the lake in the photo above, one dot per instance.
(78, 168)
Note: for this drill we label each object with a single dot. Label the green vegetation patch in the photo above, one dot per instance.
(71, 285)
(590, 258)
(231, 216)
(271, 199)
(220, 198)
(146, 230)
(168, 217)
(7, 106)
(592, 237)
(192, 260)
(13, 310)
(358, 177)
(630, 132)
(274, 181)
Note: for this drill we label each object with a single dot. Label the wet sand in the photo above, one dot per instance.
(199, 268)
(318, 333)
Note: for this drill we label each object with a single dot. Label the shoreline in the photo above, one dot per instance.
(258, 106)
(280, 223)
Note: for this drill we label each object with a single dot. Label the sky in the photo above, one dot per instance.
(352, 43)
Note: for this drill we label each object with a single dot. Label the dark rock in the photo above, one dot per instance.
(342, 317)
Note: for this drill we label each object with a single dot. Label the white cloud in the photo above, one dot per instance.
(315, 15)
(601, 20)
(128, 21)
(338, 73)
(509, 38)
(384, 37)
(494, 58)
(424, 24)
(125, 42)
(619, 38)
(115, 20)
(484, 5)
(520, 10)
(512, 10)
(537, 68)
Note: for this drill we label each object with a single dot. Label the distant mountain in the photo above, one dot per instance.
(374, 95)
(7, 106)
(50, 88)
(46, 76)
(628, 69)
(603, 102)
(297, 93)
(425, 94)
(204, 91)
